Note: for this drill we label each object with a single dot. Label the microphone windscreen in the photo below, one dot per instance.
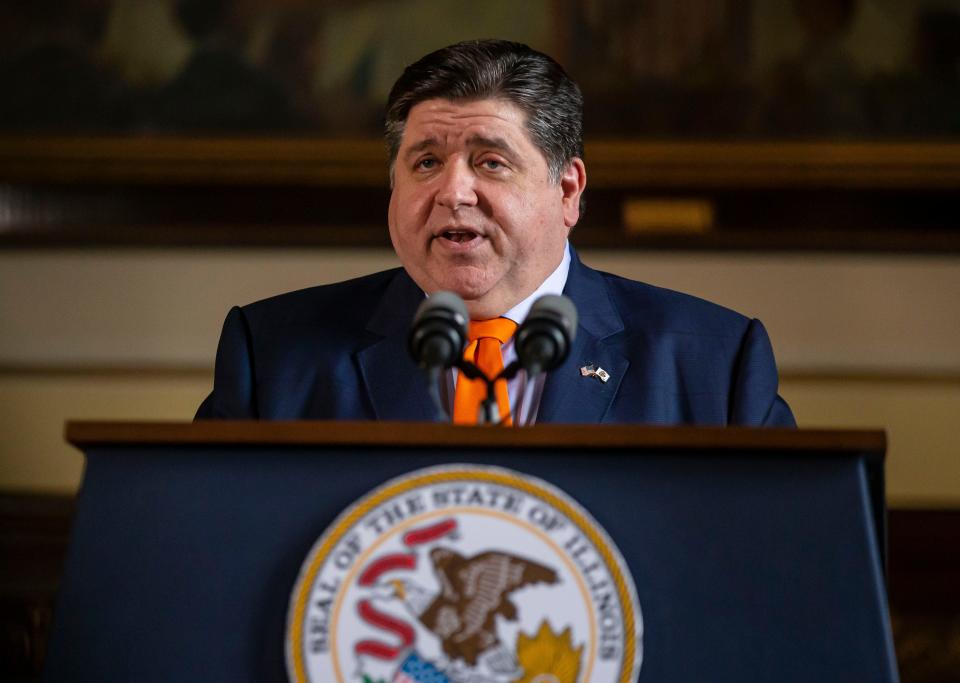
(439, 331)
(559, 308)
(543, 340)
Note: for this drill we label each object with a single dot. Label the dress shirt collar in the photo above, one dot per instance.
(554, 284)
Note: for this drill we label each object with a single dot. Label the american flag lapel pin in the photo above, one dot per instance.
(590, 370)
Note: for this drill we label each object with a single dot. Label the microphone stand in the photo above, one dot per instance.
(434, 378)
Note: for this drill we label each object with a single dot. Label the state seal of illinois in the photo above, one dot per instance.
(464, 574)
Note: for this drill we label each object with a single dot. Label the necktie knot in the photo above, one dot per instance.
(500, 329)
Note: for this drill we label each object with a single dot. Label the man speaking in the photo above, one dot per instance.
(487, 175)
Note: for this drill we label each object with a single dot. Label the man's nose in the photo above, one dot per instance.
(458, 187)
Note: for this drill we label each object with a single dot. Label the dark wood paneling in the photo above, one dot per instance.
(809, 219)
(155, 191)
(924, 561)
(924, 592)
(34, 531)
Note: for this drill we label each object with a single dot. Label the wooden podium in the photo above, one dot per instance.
(757, 555)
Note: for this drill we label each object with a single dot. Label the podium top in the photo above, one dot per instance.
(307, 433)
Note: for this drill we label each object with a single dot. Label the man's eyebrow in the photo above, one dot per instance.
(418, 147)
(484, 141)
(493, 143)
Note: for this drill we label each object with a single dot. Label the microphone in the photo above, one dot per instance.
(543, 340)
(439, 332)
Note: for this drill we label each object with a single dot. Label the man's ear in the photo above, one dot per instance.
(572, 184)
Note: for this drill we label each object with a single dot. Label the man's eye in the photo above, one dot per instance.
(426, 164)
(492, 164)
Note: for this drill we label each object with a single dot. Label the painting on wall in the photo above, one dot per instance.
(653, 69)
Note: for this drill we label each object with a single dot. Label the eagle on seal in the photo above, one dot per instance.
(473, 591)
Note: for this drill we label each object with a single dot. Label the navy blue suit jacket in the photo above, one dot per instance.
(340, 352)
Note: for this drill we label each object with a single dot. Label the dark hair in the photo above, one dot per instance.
(485, 69)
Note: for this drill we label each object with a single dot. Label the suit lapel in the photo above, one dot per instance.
(395, 386)
(568, 396)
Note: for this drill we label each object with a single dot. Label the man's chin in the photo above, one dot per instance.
(469, 284)
(485, 304)
(482, 302)
(475, 286)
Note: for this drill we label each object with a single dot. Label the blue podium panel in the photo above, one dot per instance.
(758, 566)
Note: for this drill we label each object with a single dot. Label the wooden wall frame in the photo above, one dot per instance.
(189, 191)
(362, 162)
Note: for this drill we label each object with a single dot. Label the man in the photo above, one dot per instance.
(487, 175)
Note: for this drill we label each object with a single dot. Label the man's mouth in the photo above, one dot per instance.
(459, 236)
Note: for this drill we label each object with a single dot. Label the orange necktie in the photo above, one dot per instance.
(486, 338)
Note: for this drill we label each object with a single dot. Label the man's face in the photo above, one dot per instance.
(474, 210)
